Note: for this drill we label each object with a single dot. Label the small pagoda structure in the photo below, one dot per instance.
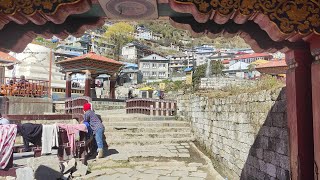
(92, 65)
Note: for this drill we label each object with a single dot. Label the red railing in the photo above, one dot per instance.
(74, 106)
(154, 107)
(26, 88)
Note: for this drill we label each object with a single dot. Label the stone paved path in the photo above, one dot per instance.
(178, 161)
(173, 170)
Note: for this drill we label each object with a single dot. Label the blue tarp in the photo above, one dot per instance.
(130, 65)
(188, 69)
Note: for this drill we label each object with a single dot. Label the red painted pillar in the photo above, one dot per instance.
(68, 85)
(112, 87)
(315, 76)
(87, 84)
(299, 113)
(316, 114)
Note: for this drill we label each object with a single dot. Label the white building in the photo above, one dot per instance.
(154, 67)
(240, 70)
(146, 35)
(35, 64)
(134, 51)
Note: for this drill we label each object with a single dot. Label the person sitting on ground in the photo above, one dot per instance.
(3, 120)
(96, 125)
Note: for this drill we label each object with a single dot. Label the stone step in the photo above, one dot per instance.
(148, 141)
(125, 135)
(136, 129)
(148, 124)
(136, 118)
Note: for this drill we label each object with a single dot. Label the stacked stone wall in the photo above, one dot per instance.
(245, 135)
(222, 82)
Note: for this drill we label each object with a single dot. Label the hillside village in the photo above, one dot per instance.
(151, 55)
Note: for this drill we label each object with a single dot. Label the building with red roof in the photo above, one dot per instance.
(274, 67)
(249, 58)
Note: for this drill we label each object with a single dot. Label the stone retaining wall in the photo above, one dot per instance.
(222, 82)
(59, 106)
(245, 135)
(25, 105)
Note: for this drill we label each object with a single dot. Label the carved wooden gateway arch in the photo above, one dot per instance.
(290, 26)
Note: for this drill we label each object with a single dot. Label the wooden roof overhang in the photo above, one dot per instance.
(22, 21)
(269, 25)
(96, 64)
(265, 25)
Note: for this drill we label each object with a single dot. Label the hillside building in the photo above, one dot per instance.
(249, 58)
(154, 67)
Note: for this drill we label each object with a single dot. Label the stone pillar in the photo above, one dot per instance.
(112, 94)
(87, 84)
(299, 114)
(315, 77)
(68, 85)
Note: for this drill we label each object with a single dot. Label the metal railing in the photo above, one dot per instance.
(25, 88)
(154, 107)
(74, 106)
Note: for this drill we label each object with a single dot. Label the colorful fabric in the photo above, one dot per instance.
(94, 121)
(72, 131)
(8, 135)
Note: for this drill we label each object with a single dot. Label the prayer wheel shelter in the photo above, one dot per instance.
(92, 65)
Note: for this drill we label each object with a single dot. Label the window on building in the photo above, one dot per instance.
(162, 65)
(154, 65)
(162, 74)
(146, 65)
(154, 74)
(145, 73)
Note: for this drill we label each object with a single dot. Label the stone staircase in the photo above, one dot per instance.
(139, 129)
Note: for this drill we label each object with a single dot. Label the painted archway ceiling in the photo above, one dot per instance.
(267, 25)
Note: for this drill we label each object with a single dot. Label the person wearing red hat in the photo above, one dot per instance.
(96, 125)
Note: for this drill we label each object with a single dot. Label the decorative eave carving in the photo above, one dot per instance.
(249, 31)
(23, 36)
(30, 7)
(40, 12)
(282, 20)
